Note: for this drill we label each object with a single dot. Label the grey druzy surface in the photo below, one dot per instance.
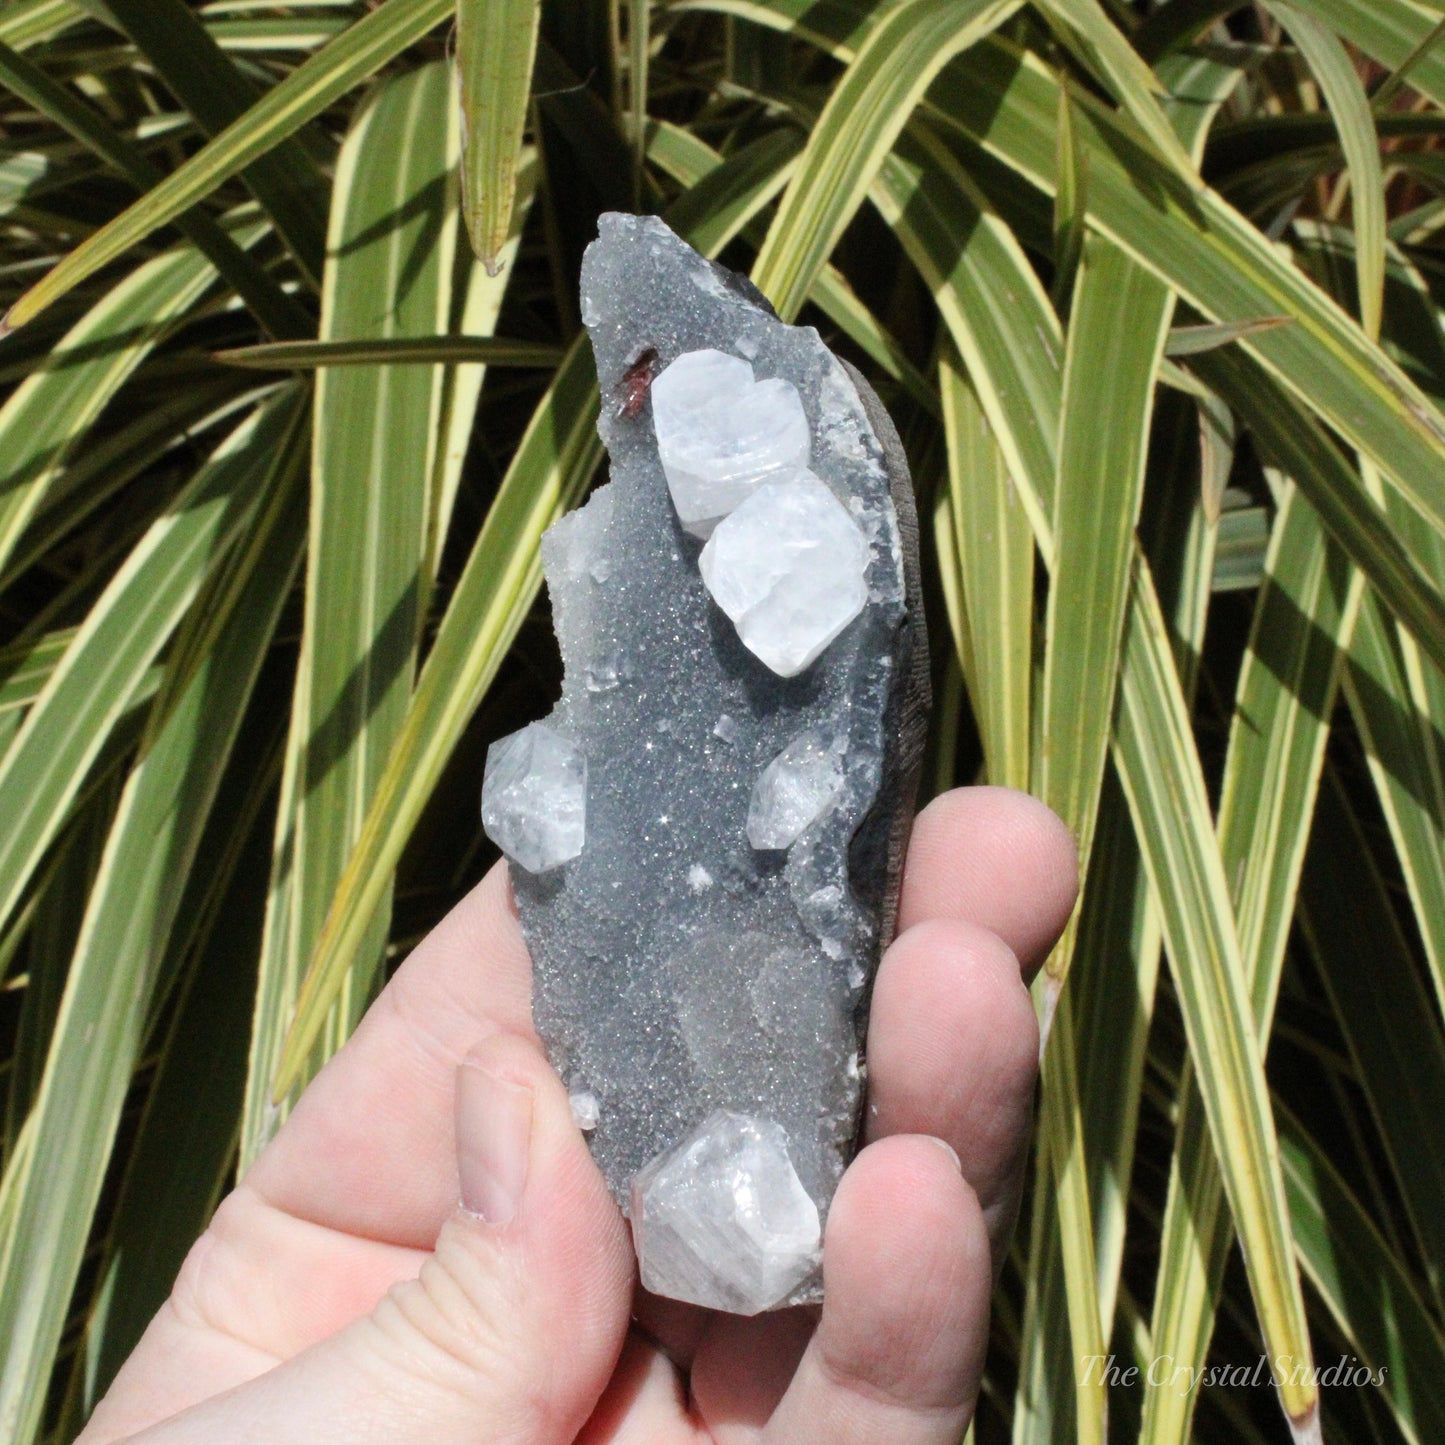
(679, 971)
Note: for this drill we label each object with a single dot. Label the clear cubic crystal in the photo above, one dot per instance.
(586, 1109)
(720, 433)
(534, 797)
(605, 672)
(795, 790)
(722, 1219)
(788, 568)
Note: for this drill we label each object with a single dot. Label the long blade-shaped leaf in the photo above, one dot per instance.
(391, 249)
(281, 316)
(1115, 341)
(996, 312)
(1300, 447)
(1106, 51)
(30, 22)
(49, 413)
(1390, 31)
(995, 552)
(496, 49)
(1278, 731)
(208, 83)
(1159, 768)
(185, 1144)
(281, 112)
(1335, 71)
(64, 731)
(392, 351)
(864, 115)
(51, 1193)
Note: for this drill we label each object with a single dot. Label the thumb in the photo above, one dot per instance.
(512, 1328)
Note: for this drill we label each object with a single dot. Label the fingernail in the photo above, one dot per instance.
(947, 1149)
(494, 1131)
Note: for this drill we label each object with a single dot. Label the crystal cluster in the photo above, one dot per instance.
(707, 832)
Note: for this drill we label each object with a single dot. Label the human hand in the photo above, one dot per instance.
(341, 1295)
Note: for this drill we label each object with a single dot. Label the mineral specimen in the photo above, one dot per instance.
(794, 791)
(727, 1220)
(534, 798)
(720, 433)
(751, 714)
(788, 567)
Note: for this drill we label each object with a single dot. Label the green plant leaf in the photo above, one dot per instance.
(1278, 731)
(496, 49)
(349, 59)
(392, 351)
(1115, 340)
(32, 22)
(1332, 67)
(185, 1142)
(1191, 340)
(996, 312)
(374, 451)
(1300, 447)
(1158, 765)
(89, 690)
(53, 1189)
(51, 924)
(1088, 30)
(272, 306)
(285, 179)
(50, 412)
(910, 44)
(1069, 200)
(994, 548)
(1390, 31)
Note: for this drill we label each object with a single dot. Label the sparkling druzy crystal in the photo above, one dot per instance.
(702, 965)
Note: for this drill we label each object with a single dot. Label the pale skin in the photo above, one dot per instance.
(342, 1294)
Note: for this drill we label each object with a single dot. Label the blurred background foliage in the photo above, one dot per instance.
(1153, 289)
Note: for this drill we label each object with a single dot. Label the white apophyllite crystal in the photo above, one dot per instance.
(788, 568)
(794, 790)
(534, 797)
(720, 433)
(722, 1219)
(586, 1110)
